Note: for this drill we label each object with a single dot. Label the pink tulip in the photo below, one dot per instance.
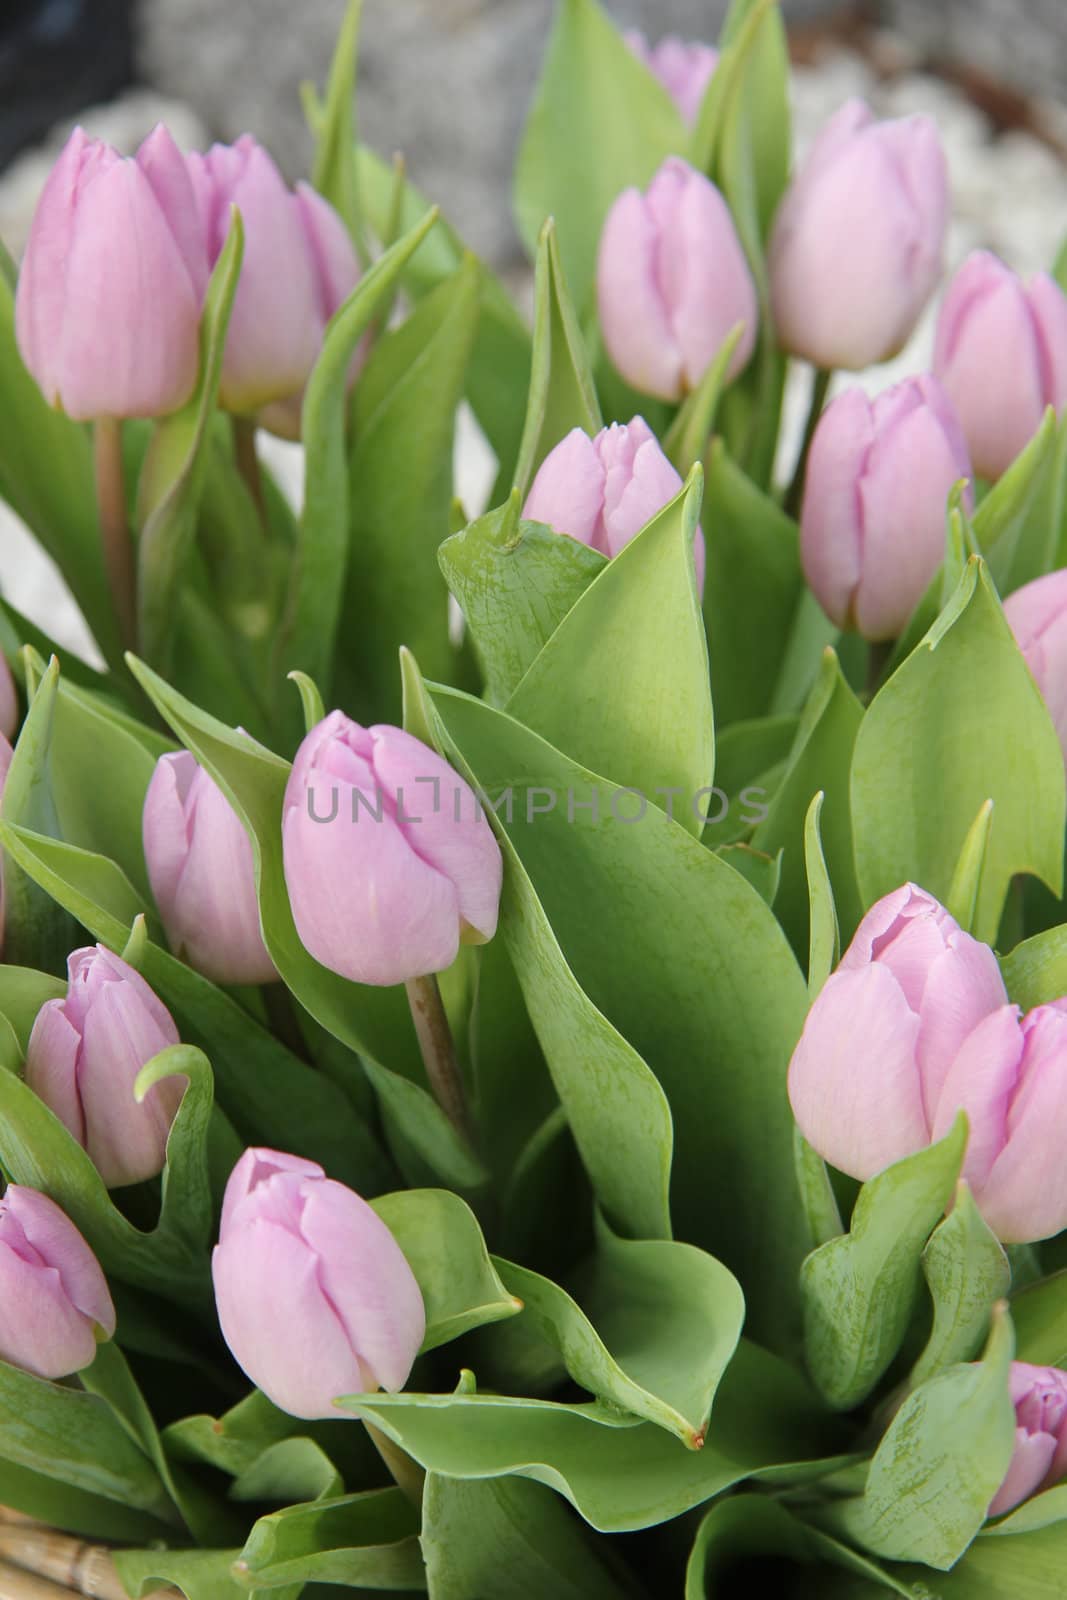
(914, 1027)
(200, 867)
(1037, 615)
(85, 1052)
(314, 1295)
(54, 1299)
(684, 68)
(872, 530)
(9, 704)
(1039, 1395)
(1001, 352)
(672, 282)
(858, 240)
(389, 860)
(298, 267)
(603, 491)
(108, 305)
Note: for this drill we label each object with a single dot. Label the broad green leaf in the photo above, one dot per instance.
(622, 684)
(688, 963)
(515, 582)
(859, 1289)
(940, 1463)
(172, 478)
(440, 1237)
(1035, 972)
(363, 1541)
(199, 1574)
(309, 635)
(69, 1510)
(334, 173)
(1017, 525)
(1039, 1313)
(562, 393)
(234, 1442)
(22, 994)
(510, 1538)
(75, 1438)
(762, 871)
(1023, 1566)
(46, 476)
(751, 591)
(966, 1272)
(290, 1469)
(371, 1021)
(599, 122)
(400, 488)
(824, 938)
(960, 722)
(656, 1328)
(750, 758)
(820, 760)
(619, 1476)
(511, 1089)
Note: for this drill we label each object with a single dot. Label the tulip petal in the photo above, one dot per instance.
(981, 1081)
(164, 166)
(164, 829)
(126, 1141)
(215, 912)
(633, 316)
(706, 280)
(1030, 1463)
(330, 248)
(831, 531)
(52, 1234)
(568, 492)
(52, 1066)
(255, 1168)
(1024, 1198)
(1048, 306)
(963, 985)
(40, 1330)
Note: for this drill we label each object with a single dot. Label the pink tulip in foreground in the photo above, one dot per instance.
(684, 67)
(603, 491)
(1037, 615)
(872, 530)
(1039, 1395)
(53, 1296)
(9, 704)
(1001, 352)
(107, 311)
(298, 266)
(390, 862)
(858, 240)
(200, 867)
(83, 1057)
(314, 1295)
(672, 282)
(914, 1027)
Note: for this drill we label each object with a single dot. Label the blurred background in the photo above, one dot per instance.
(448, 83)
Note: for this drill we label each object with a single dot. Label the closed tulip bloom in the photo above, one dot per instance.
(390, 862)
(9, 705)
(200, 866)
(684, 67)
(298, 266)
(858, 241)
(107, 310)
(54, 1299)
(872, 528)
(1001, 352)
(83, 1057)
(1037, 615)
(672, 282)
(1039, 1395)
(602, 491)
(315, 1297)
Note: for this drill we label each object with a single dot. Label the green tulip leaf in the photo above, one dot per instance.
(1035, 972)
(334, 172)
(963, 895)
(966, 1272)
(824, 939)
(1017, 525)
(198, 1574)
(1039, 1313)
(22, 994)
(363, 1541)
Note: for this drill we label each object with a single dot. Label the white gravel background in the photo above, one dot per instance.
(1009, 195)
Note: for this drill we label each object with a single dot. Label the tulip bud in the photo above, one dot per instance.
(298, 266)
(200, 867)
(603, 491)
(1039, 1395)
(858, 240)
(913, 1028)
(672, 282)
(1001, 352)
(314, 1295)
(683, 67)
(389, 860)
(1037, 616)
(872, 530)
(107, 311)
(53, 1295)
(83, 1057)
(9, 704)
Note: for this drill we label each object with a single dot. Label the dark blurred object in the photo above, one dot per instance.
(56, 57)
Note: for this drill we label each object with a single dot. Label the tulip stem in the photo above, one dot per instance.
(116, 540)
(439, 1051)
(820, 385)
(406, 1474)
(247, 458)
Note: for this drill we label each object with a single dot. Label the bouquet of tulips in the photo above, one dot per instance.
(526, 1026)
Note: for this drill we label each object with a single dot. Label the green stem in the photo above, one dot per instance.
(439, 1052)
(878, 654)
(247, 458)
(820, 385)
(116, 541)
